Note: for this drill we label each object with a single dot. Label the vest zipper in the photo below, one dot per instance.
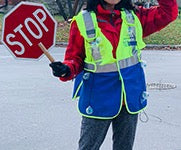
(111, 18)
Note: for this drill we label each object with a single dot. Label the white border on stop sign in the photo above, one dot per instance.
(33, 4)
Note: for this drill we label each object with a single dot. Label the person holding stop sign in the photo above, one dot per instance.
(104, 57)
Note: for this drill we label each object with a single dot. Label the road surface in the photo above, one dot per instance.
(36, 111)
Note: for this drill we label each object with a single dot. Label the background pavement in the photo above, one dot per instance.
(36, 111)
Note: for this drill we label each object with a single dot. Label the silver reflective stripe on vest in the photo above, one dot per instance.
(90, 30)
(129, 16)
(131, 31)
(113, 67)
(99, 68)
(133, 60)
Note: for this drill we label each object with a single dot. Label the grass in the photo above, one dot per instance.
(171, 35)
(1, 18)
(62, 31)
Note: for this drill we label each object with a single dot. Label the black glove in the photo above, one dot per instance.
(59, 69)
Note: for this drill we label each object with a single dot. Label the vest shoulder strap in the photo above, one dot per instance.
(128, 16)
(89, 24)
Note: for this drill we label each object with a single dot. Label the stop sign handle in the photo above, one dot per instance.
(45, 51)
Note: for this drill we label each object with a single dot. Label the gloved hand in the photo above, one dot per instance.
(59, 69)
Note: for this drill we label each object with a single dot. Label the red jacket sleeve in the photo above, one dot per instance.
(75, 52)
(157, 17)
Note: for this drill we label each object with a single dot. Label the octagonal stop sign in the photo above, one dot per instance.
(26, 27)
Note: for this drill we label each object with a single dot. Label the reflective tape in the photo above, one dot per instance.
(133, 60)
(113, 67)
(95, 48)
(129, 16)
(90, 30)
(131, 31)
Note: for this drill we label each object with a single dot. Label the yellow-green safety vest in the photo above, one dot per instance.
(98, 48)
(100, 67)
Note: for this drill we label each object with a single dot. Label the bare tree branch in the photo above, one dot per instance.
(61, 10)
(70, 8)
(75, 7)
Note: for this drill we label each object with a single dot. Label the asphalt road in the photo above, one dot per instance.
(36, 111)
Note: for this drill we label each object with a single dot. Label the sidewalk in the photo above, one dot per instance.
(36, 111)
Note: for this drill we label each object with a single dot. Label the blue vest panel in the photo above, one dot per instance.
(101, 93)
(135, 86)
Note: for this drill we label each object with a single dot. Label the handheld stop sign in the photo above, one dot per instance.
(29, 30)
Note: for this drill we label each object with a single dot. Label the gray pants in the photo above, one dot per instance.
(93, 132)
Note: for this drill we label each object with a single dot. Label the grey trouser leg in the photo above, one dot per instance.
(124, 129)
(93, 132)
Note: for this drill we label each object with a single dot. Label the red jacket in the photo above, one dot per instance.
(152, 20)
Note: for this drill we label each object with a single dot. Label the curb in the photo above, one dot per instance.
(61, 44)
(162, 47)
(148, 46)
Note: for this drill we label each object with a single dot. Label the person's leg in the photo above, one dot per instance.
(124, 129)
(93, 132)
